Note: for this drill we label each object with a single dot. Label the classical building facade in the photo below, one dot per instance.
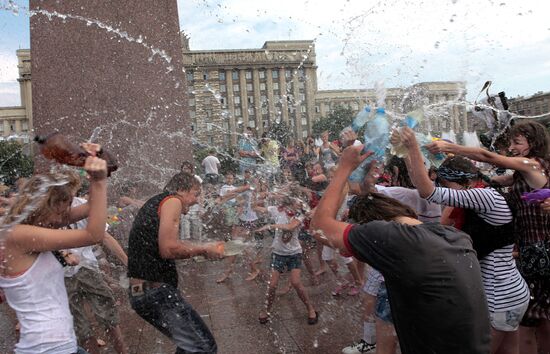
(535, 105)
(16, 122)
(233, 89)
(440, 95)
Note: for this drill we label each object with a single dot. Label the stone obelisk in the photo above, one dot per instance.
(112, 71)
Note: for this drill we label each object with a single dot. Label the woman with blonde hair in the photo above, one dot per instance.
(31, 273)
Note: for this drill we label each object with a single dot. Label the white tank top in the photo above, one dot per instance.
(39, 298)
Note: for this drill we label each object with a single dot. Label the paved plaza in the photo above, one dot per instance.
(231, 311)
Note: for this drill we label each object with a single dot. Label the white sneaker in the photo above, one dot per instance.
(359, 348)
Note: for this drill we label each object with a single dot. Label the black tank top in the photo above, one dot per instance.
(486, 237)
(144, 260)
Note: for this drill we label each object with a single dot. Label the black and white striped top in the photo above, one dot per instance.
(504, 287)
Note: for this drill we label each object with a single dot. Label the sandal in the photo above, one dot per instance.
(263, 320)
(313, 320)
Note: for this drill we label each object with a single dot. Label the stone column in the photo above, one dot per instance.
(284, 94)
(231, 105)
(257, 101)
(244, 95)
(271, 114)
(90, 80)
(297, 107)
(310, 89)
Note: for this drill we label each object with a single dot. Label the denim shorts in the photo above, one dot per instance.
(508, 321)
(383, 310)
(374, 280)
(281, 263)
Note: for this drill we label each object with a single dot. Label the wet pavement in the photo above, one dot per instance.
(231, 311)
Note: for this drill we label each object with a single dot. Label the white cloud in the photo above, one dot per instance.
(9, 94)
(400, 42)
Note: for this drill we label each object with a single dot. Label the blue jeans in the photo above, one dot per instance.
(167, 311)
(383, 310)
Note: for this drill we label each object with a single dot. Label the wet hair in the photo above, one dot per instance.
(458, 169)
(187, 164)
(181, 182)
(537, 136)
(39, 195)
(375, 206)
(403, 178)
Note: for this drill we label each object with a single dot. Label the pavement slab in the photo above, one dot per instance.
(231, 311)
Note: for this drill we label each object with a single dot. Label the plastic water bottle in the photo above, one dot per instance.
(377, 138)
(360, 119)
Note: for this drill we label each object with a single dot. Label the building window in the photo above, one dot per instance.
(301, 73)
(189, 76)
(238, 112)
(249, 87)
(301, 85)
(264, 110)
(266, 123)
(192, 127)
(208, 126)
(250, 99)
(190, 90)
(191, 102)
(25, 126)
(304, 134)
(252, 124)
(210, 140)
(304, 121)
(261, 74)
(317, 109)
(237, 100)
(221, 75)
(275, 86)
(275, 73)
(192, 114)
(302, 97)
(355, 106)
(205, 75)
(263, 99)
(236, 87)
(288, 73)
(251, 111)
(222, 88)
(208, 113)
(248, 75)
(262, 86)
(303, 109)
(222, 100)
(225, 126)
(235, 75)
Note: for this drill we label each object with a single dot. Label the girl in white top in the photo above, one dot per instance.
(30, 274)
(287, 254)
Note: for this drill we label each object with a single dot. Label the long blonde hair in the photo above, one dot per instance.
(39, 195)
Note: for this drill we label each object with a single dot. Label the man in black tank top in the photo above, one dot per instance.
(153, 247)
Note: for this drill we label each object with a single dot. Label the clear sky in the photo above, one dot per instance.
(360, 42)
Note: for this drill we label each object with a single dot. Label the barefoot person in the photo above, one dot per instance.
(154, 246)
(429, 269)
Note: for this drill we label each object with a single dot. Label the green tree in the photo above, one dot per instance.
(336, 120)
(14, 163)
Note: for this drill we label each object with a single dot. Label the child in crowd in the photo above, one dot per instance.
(287, 254)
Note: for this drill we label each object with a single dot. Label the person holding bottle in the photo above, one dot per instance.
(31, 273)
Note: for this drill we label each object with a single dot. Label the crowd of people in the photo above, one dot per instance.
(448, 259)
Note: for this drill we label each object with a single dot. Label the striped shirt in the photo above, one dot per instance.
(504, 287)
